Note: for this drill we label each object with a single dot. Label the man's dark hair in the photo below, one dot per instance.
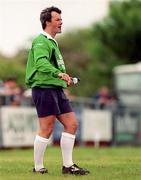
(46, 15)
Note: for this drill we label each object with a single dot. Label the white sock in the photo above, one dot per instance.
(40, 144)
(67, 143)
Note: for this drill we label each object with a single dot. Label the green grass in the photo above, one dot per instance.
(118, 163)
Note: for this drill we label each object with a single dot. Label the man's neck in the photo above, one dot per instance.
(52, 34)
(49, 36)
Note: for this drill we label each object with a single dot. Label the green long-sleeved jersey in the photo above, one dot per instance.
(44, 64)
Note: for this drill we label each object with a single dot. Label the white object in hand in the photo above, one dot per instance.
(75, 80)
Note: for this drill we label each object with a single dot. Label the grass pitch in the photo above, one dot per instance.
(116, 163)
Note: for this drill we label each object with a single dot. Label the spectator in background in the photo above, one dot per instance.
(68, 94)
(103, 97)
(11, 87)
(11, 91)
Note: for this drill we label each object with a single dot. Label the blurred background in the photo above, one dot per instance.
(101, 44)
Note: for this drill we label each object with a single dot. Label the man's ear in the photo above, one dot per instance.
(47, 22)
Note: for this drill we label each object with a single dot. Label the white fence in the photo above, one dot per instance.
(19, 125)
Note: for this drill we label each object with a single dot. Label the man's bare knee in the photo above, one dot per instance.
(69, 122)
(73, 126)
(46, 126)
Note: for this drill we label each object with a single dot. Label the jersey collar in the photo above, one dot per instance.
(49, 36)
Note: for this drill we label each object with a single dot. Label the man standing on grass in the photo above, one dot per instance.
(46, 75)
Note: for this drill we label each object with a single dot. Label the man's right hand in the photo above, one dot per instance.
(65, 77)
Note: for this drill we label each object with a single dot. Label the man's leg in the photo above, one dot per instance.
(68, 137)
(67, 143)
(41, 140)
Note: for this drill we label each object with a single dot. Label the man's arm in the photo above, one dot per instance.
(42, 60)
(42, 63)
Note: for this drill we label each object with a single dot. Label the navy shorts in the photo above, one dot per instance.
(50, 101)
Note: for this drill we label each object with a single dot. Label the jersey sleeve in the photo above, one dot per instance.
(42, 54)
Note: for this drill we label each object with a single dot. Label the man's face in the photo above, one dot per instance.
(56, 22)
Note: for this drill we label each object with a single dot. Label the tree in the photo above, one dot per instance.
(115, 40)
(121, 30)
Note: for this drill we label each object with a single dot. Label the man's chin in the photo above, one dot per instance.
(59, 32)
